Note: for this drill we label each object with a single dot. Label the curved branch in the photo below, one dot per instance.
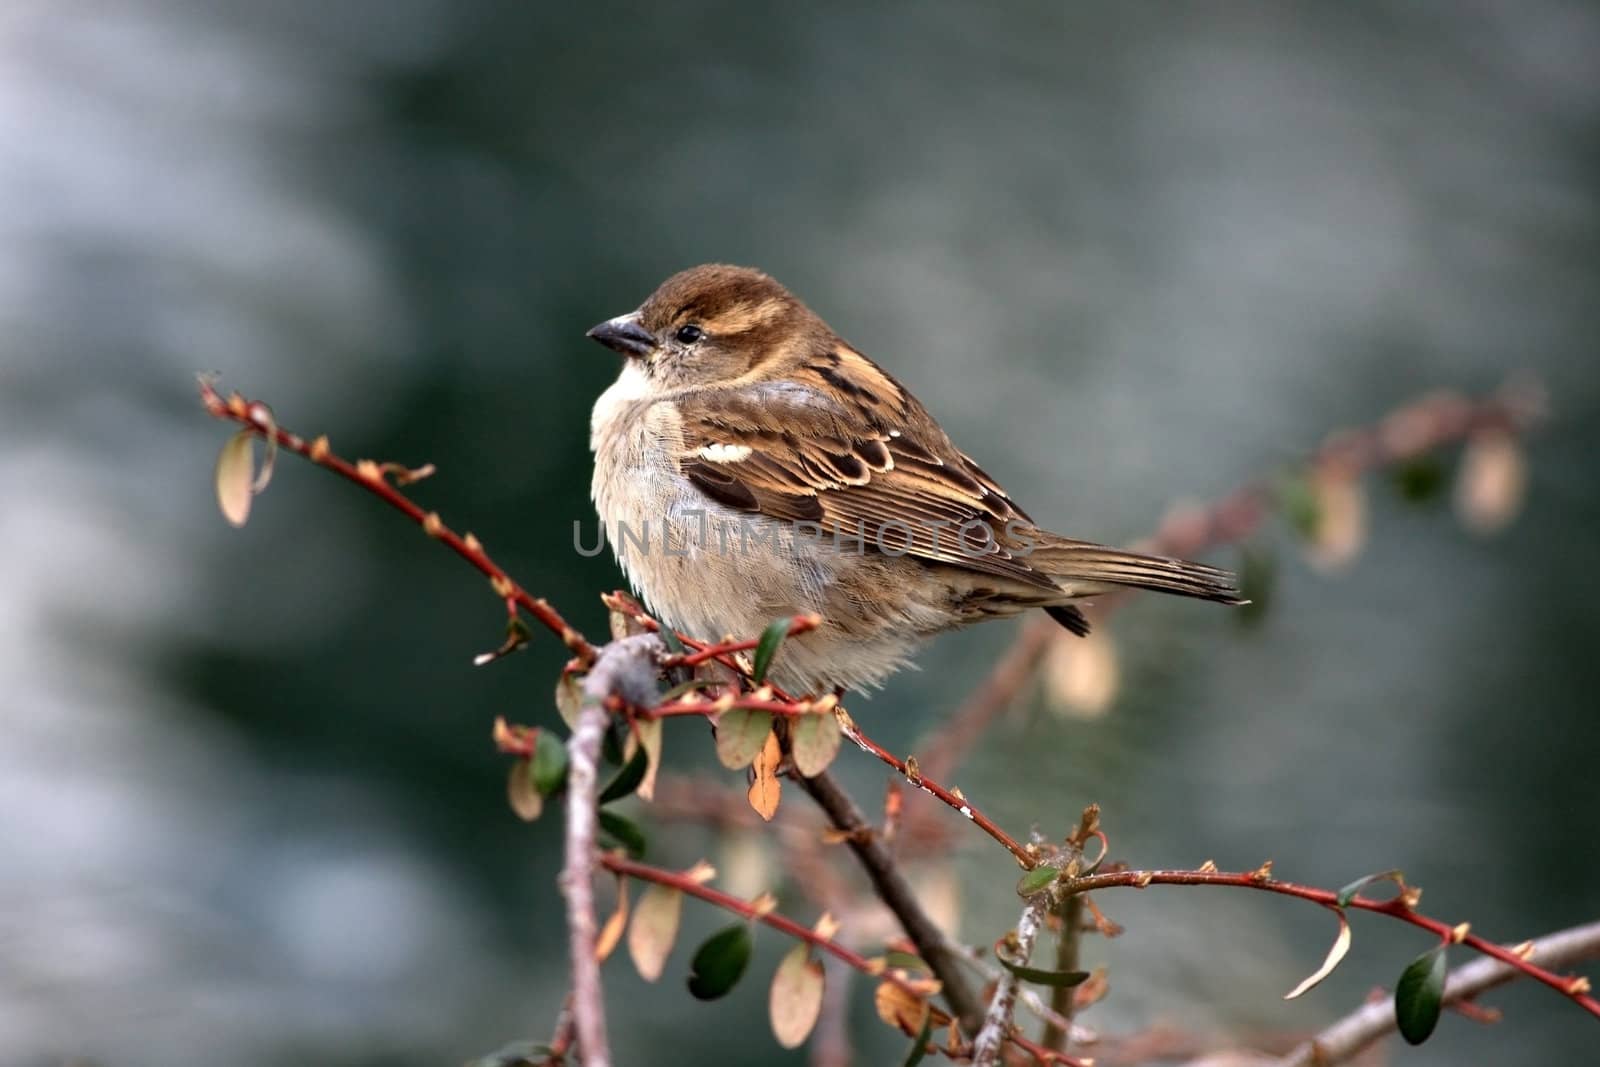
(256, 416)
(1575, 989)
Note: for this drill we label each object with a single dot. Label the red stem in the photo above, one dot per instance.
(256, 416)
(1025, 859)
(1396, 908)
(709, 708)
(798, 624)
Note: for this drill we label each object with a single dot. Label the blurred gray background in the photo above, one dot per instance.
(1128, 253)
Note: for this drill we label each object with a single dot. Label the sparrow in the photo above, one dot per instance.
(750, 464)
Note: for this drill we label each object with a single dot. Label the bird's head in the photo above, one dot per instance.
(715, 325)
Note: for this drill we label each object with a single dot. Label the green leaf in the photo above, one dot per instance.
(1420, 480)
(549, 763)
(741, 734)
(919, 1046)
(627, 779)
(1419, 995)
(624, 832)
(1037, 879)
(720, 962)
(767, 647)
(1055, 979)
(1348, 893)
(814, 741)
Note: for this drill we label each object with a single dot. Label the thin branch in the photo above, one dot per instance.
(798, 624)
(621, 864)
(1576, 989)
(706, 709)
(953, 798)
(1063, 998)
(1373, 1021)
(997, 1021)
(897, 894)
(256, 416)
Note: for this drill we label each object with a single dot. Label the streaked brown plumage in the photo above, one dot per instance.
(739, 402)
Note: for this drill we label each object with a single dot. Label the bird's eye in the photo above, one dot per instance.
(689, 334)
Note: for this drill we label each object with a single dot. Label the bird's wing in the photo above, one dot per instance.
(839, 443)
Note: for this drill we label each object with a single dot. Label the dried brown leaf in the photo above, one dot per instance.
(1336, 953)
(611, 932)
(900, 1009)
(766, 788)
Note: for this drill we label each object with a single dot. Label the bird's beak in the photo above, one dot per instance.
(624, 334)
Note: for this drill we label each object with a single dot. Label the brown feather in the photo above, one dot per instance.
(898, 479)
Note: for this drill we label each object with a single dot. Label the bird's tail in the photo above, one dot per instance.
(1084, 569)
